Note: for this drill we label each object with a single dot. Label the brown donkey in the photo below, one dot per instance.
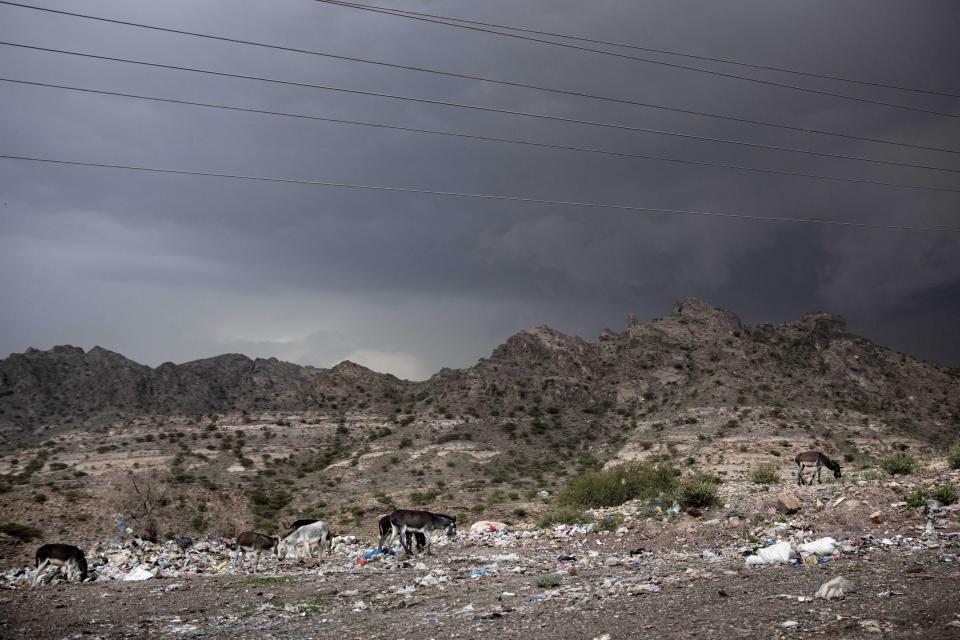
(817, 460)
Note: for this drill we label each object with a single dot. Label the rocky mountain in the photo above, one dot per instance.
(698, 357)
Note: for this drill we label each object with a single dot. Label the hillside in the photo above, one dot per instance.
(697, 387)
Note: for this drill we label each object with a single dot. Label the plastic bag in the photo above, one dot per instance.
(779, 553)
(820, 547)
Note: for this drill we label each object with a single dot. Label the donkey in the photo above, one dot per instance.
(387, 530)
(817, 460)
(299, 523)
(304, 538)
(61, 555)
(253, 542)
(403, 521)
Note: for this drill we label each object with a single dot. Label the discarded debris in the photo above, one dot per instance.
(835, 589)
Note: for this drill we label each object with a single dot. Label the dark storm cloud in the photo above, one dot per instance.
(174, 267)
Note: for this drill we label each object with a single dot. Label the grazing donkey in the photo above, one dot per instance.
(253, 542)
(387, 530)
(61, 555)
(304, 538)
(817, 460)
(297, 524)
(403, 521)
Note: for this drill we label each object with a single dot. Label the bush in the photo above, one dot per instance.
(918, 497)
(615, 486)
(899, 463)
(953, 455)
(561, 516)
(22, 532)
(423, 498)
(698, 492)
(549, 581)
(945, 493)
(765, 473)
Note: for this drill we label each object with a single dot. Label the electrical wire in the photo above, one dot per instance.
(625, 45)
(463, 76)
(480, 196)
(457, 134)
(673, 65)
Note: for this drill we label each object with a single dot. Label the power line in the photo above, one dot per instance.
(738, 63)
(844, 96)
(508, 83)
(462, 135)
(445, 103)
(480, 196)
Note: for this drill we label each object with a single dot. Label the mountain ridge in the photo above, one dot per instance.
(697, 355)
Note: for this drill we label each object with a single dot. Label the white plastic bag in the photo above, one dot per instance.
(779, 553)
(820, 547)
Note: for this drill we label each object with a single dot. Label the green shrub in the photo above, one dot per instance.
(610, 523)
(765, 473)
(549, 581)
(698, 492)
(22, 532)
(945, 493)
(899, 463)
(615, 486)
(423, 498)
(917, 498)
(561, 516)
(953, 455)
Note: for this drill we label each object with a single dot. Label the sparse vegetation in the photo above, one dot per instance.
(562, 516)
(549, 581)
(765, 473)
(615, 486)
(898, 463)
(953, 455)
(22, 532)
(698, 492)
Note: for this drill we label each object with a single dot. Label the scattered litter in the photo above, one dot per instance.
(835, 589)
(138, 574)
(777, 553)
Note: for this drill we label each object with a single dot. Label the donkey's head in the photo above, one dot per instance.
(836, 471)
(451, 528)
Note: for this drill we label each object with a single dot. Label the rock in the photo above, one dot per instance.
(788, 503)
(789, 624)
(835, 589)
(622, 531)
(487, 526)
(612, 561)
(877, 517)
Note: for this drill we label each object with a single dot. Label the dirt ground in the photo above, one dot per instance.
(902, 592)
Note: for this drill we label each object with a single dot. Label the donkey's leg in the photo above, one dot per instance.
(40, 569)
(405, 540)
(819, 469)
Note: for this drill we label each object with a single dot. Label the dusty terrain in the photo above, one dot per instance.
(99, 451)
(690, 580)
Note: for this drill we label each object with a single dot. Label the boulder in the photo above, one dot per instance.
(788, 503)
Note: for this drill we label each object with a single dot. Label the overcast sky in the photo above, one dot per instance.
(162, 267)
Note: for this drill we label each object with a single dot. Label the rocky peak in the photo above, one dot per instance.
(696, 310)
(823, 322)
